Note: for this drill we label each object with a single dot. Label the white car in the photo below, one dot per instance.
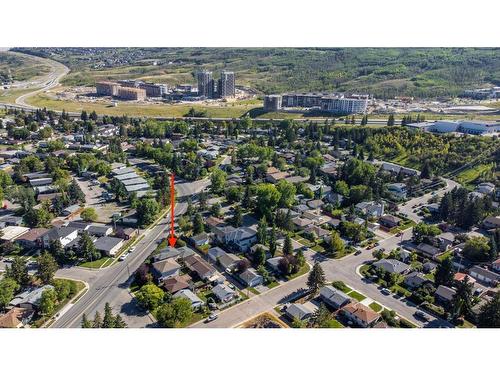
(131, 250)
(123, 257)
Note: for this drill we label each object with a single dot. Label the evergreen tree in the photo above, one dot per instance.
(272, 241)
(85, 322)
(489, 316)
(119, 322)
(444, 272)
(316, 278)
(47, 267)
(237, 217)
(390, 120)
(198, 226)
(262, 231)
(287, 245)
(97, 323)
(109, 319)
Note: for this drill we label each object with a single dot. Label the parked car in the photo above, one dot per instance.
(211, 318)
(421, 315)
(123, 257)
(385, 291)
(131, 250)
(357, 252)
(478, 291)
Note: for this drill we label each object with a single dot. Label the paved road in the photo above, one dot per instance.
(40, 84)
(407, 208)
(111, 284)
(344, 269)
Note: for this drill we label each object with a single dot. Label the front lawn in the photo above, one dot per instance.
(96, 263)
(356, 295)
(340, 285)
(375, 307)
(302, 271)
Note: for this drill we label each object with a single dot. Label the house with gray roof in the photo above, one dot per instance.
(444, 294)
(196, 302)
(30, 299)
(333, 297)
(251, 278)
(415, 279)
(298, 311)
(392, 266)
(223, 293)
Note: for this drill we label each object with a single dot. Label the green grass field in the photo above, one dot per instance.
(356, 295)
(470, 175)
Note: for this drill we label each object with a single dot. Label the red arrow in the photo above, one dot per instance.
(172, 239)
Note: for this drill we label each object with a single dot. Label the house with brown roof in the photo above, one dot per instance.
(360, 314)
(32, 239)
(176, 283)
(199, 266)
(13, 318)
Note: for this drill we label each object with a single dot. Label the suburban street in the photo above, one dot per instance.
(111, 284)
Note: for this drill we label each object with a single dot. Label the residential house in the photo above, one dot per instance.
(165, 269)
(199, 266)
(335, 198)
(429, 267)
(66, 235)
(223, 293)
(175, 283)
(196, 302)
(10, 220)
(371, 209)
(444, 294)
(428, 250)
(460, 276)
(392, 266)
(491, 222)
(243, 238)
(496, 265)
(486, 188)
(315, 203)
(415, 279)
(485, 276)
(333, 297)
(299, 312)
(200, 239)
(301, 223)
(397, 190)
(32, 239)
(30, 299)
(360, 314)
(108, 245)
(317, 232)
(99, 230)
(125, 233)
(173, 253)
(389, 221)
(273, 263)
(14, 318)
(251, 278)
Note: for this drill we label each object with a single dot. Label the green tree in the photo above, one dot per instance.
(287, 245)
(198, 226)
(262, 231)
(147, 210)
(170, 315)
(268, 198)
(287, 191)
(444, 272)
(237, 217)
(109, 319)
(335, 245)
(85, 322)
(218, 181)
(461, 303)
(47, 267)
(477, 249)
(390, 120)
(18, 271)
(259, 256)
(489, 315)
(150, 296)
(316, 278)
(48, 302)
(119, 322)
(272, 241)
(87, 248)
(89, 214)
(8, 289)
(63, 288)
(97, 323)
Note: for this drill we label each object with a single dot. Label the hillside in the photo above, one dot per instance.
(384, 72)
